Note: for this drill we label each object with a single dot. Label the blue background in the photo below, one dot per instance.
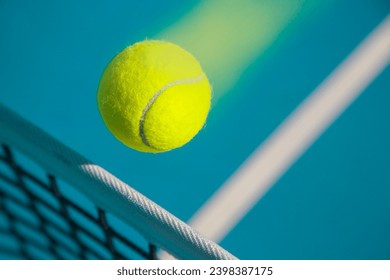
(334, 201)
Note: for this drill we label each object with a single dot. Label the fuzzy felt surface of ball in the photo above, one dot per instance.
(154, 96)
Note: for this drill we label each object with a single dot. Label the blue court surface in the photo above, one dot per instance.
(325, 188)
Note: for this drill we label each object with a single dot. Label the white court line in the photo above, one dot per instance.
(294, 136)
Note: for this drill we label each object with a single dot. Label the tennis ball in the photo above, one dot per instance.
(154, 96)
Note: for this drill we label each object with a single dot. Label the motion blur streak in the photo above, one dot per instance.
(227, 36)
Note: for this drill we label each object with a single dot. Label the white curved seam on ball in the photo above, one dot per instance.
(153, 99)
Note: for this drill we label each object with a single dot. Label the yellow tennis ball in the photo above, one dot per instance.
(154, 96)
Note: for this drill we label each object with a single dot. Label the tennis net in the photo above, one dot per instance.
(55, 204)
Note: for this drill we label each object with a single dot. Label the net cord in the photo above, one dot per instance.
(109, 193)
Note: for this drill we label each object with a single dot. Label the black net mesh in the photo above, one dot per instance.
(42, 217)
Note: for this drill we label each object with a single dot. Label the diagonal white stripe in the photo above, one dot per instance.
(294, 136)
